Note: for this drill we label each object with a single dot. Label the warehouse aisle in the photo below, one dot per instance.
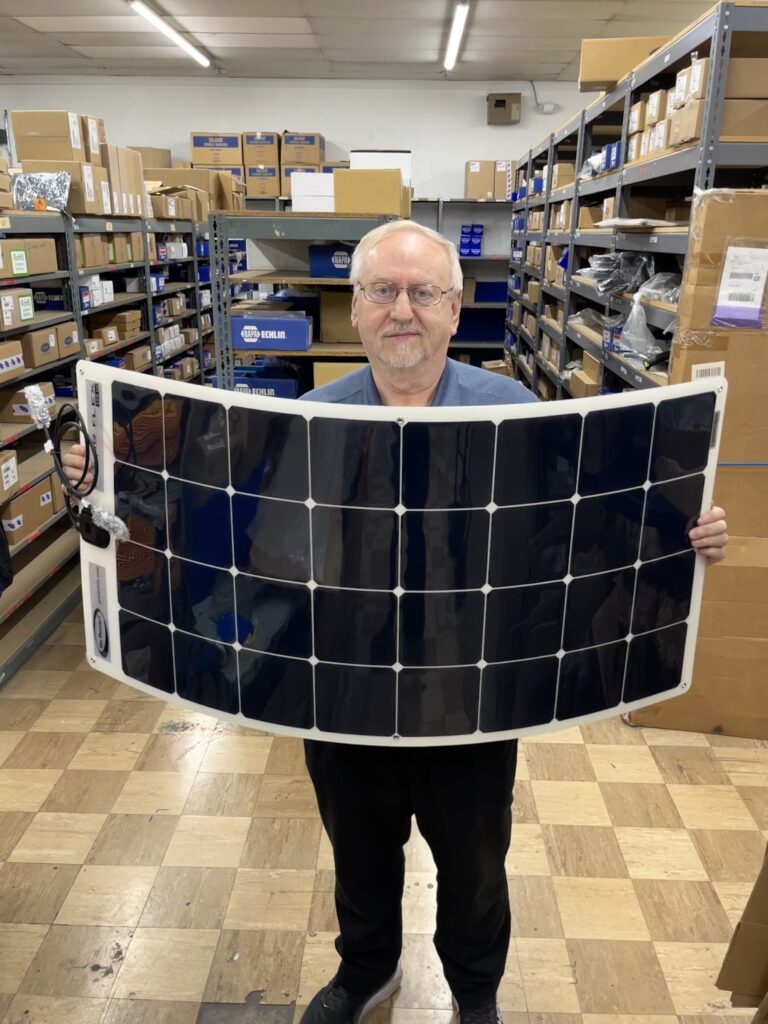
(158, 867)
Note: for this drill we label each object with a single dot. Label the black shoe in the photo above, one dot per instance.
(488, 1013)
(335, 1005)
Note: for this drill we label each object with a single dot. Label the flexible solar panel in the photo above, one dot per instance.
(397, 576)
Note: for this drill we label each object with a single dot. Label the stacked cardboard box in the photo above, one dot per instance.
(6, 201)
(302, 152)
(370, 191)
(604, 62)
(745, 107)
(745, 967)
(261, 156)
(223, 192)
(488, 179)
(723, 329)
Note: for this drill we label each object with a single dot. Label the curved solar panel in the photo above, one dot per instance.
(398, 576)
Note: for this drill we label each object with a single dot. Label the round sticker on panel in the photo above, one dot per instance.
(100, 633)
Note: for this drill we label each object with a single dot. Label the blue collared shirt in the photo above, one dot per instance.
(460, 384)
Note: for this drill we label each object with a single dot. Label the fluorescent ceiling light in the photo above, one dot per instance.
(157, 22)
(457, 31)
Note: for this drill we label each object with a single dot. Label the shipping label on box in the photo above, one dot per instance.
(9, 470)
(656, 107)
(637, 117)
(288, 333)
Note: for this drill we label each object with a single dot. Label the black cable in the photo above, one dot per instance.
(60, 427)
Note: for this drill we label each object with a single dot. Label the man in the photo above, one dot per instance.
(406, 304)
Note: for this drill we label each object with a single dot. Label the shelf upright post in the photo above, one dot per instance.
(719, 56)
(219, 263)
(73, 281)
(144, 228)
(581, 148)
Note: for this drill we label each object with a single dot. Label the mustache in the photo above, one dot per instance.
(402, 329)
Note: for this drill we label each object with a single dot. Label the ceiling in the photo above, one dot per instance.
(352, 39)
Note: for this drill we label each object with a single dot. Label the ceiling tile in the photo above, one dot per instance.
(149, 39)
(148, 53)
(392, 10)
(258, 42)
(226, 54)
(47, 8)
(386, 55)
(235, 8)
(247, 25)
(81, 24)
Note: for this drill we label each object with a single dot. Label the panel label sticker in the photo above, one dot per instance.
(741, 296)
(95, 419)
(99, 628)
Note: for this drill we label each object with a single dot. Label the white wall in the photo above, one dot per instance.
(443, 123)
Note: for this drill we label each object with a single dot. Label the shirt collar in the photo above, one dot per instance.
(442, 392)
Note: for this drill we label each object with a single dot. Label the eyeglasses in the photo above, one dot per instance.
(385, 293)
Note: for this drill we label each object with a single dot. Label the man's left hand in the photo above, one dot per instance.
(709, 536)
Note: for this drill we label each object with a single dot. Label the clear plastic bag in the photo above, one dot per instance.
(636, 335)
(588, 317)
(617, 272)
(663, 287)
(591, 167)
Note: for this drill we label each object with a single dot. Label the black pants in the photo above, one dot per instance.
(461, 797)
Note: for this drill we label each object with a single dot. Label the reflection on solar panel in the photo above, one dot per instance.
(409, 576)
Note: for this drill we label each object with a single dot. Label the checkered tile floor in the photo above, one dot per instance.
(160, 867)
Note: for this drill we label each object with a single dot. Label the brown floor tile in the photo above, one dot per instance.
(54, 1010)
(704, 806)
(744, 768)
(131, 693)
(640, 805)
(107, 895)
(696, 766)
(268, 961)
(206, 842)
(585, 851)
(547, 975)
(535, 913)
(229, 795)
(133, 839)
(68, 716)
(68, 633)
(523, 804)
(25, 789)
(189, 898)
(33, 893)
(527, 854)
(13, 825)
(322, 914)
(173, 753)
(109, 751)
(8, 743)
(45, 750)
(716, 740)
(129, 716)
(178, 721)
(88, 685)
(77, 961)
(674, 738)
(80, 791)
(600, 908)
(56, 658)
(150, 1011)
(167, 964)
(612, 730)
(234, 753)
(558, 761)
(286, 757)
(282, 843)
(690, 970)
(18, 715)
(757, 803)
(713, 1018)
(34, 685)
(286, 796)
(19, 944)
(682, 911)
(730, 856)
(619, 977)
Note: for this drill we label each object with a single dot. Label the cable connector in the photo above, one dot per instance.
(38, 406)
(49, 447)
(97, 526)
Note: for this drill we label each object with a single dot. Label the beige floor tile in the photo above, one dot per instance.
(88, 685)
(133, 839)
(612, 731)
(286, 757)
(733, 896)
(188, 898)
(78, 792)
(618, 977)
(167, 964)
(43, 749)
(521, 770)
(21, 713)
(237, 754)
(570, 803)
(169, 753)
(33, 893)
(682, 911)
(744, 767)
(674, 738)
(282, 843)
(585, 851)
(325, 855)
(25, 789)
(247, 961)
(109, 751)
(660, 853)
(420, 902)
(270, 900)
(129, 716)
(600, 908)
(150, 1011)
(757, 802)
(637, 805)
(628, 1018)
(207, 842)
(177, 721)
(58, 839)
(690, 970)
(418, 856)
(129, 693)
(623, 763)
(68, 633)
(424, 986)
(57, 658)
(154, 793)
(547, 974)
(704, 806)
(79, 961)
(69, 716)
(53, 1010)
(535, 914)
(19, 944)
(729, 856)
(8, 743)
(524, 806)
(527, 853)
(107, 895)
(13, 825)
(693, 766)
(717, 740)
(322, 913)
(511, 993)
(556, 761)
(223, 794)
(286, 796)
(34, 685)
(572, 734)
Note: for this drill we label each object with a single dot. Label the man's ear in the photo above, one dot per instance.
(455, 311)
(355, 299)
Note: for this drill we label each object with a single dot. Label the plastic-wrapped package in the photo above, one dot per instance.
(636, 334)
(41, 191)
(591, 167)
(617, 272)
(588, 317)
(662, 287)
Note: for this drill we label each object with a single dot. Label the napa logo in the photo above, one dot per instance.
(341, 260)
(254, 335)
(250, 334)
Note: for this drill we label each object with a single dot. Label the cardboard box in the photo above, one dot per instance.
(138, 358)
(6, 201)
(261, 148)
(16, 308)
(262, 180)
(645, 143)
(633, 148)
(637, 117)
(655, 108)
(743, 120)
(592, 367)
(502, 180)
(589, 216)
(329, 168)
(325, 372)
(582, 385)
(48, 135)
(11, 360)
(171, 207)
(747, 78)
(9, 472)
(660, 137)
(21, 256)
(110, 161)
(153, 157)
(39, 347)
(89, 187)
(67, 339)
(289, 332)
(29, 511)
(302, 148)
(604, 62)
(218, 149)
(13, 404)
(686, 123)
(377, 192)
(89, 127)
(562, 174)
(745, 967)
(479, 179)
(676, 96)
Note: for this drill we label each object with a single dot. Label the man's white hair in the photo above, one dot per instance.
(367, 242)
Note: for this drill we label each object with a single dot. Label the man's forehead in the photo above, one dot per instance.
(408, 251)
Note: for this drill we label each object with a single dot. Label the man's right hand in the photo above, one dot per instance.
(73, 464)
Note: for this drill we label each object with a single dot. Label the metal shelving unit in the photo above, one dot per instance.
(703, 165)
